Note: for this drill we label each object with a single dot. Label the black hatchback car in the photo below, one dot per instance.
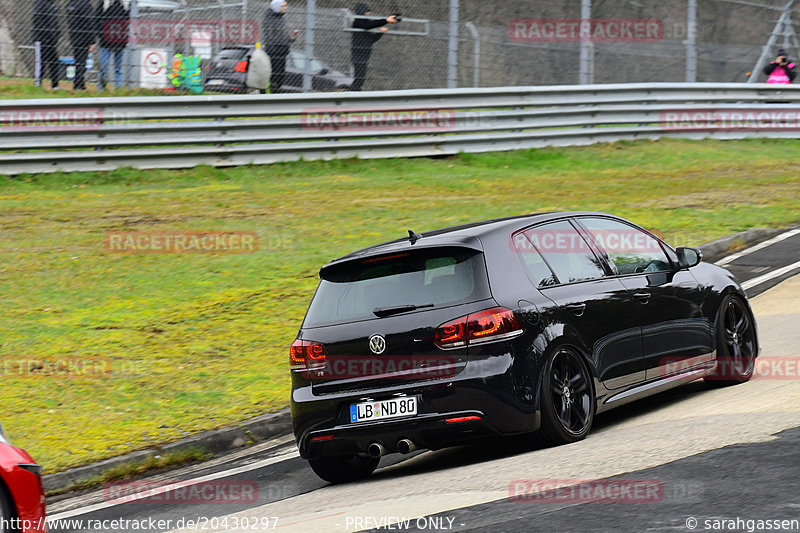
(523, 325)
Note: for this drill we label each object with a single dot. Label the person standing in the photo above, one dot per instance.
(277, 41)
(112, 26)
(82, 28)
(780, 70)
(362, 41)
(46, 30)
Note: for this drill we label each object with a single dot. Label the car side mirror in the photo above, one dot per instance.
(323, 71)
(688, 257)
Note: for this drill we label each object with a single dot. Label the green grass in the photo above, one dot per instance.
(17, 88)
(128, 471)
(192, 342)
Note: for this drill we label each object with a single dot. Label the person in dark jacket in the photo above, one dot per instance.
(112, 26)
(82, 28)
(46, 30)
(780, 70)
(276, 42)
(362, 41)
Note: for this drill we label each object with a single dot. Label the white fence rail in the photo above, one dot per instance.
(82, 134)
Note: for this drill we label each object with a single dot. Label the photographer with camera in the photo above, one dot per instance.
(362, 41)
(780, 70)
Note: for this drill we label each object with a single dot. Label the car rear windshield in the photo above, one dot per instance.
(379, 286)
(233, 53)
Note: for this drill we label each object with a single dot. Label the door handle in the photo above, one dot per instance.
(577, 309)
(642, 297)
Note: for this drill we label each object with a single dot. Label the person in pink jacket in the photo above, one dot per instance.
(780, 70)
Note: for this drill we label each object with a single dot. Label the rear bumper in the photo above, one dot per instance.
(484, 389)
(225, 88)
(429, 431)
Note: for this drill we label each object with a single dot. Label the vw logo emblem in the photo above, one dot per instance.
(377, 344)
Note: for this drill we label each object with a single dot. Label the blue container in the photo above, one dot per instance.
(66, 68)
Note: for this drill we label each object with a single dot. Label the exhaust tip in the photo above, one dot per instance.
(406, 446)
(375, 450)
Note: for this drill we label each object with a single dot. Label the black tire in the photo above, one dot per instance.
(567, 399)
(343, 469)
(736, 343)
(6, 511)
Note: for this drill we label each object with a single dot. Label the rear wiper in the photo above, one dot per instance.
(388, 311)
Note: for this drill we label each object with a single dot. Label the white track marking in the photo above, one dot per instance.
(770, 275)
(783, 236)
(291, 453)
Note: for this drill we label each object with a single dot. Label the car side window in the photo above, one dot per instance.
(565, 253)
(533, 262)
(630, 249)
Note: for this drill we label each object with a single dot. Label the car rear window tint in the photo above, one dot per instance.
(440, 276)
(233, 53)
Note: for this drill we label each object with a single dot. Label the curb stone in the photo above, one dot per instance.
(279, 423)
(714, 250)
(260, 428)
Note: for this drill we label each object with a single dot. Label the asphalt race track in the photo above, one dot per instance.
(695, 458)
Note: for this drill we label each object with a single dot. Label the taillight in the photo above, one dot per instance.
(451, 334)
(462, 419)
(485, 326)
(307, 355)
(241, 66)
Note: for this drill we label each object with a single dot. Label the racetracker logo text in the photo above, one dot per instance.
(582, 491)
(585, 30)
(179, 242)
(181, 492)
(389, 367)
(785, 368)
(155, 31)
(54, 119)
(787, 119)
(337, 119)
(554, 240)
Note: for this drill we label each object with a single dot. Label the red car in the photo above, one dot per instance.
(22, 507)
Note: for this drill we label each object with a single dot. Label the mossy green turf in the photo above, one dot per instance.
(198, 341)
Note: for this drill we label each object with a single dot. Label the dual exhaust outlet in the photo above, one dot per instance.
(376, 449)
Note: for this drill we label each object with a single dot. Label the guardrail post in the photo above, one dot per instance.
(586, 74)
(452, 52)
(691, 37)
(311, 8)
(476, 53)
(128, 64)
(37, 68)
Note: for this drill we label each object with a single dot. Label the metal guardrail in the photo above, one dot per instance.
(82, 134)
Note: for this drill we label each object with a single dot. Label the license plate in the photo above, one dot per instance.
(394, 408)
(215, 82)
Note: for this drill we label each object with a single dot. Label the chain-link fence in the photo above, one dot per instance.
(435, 43)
